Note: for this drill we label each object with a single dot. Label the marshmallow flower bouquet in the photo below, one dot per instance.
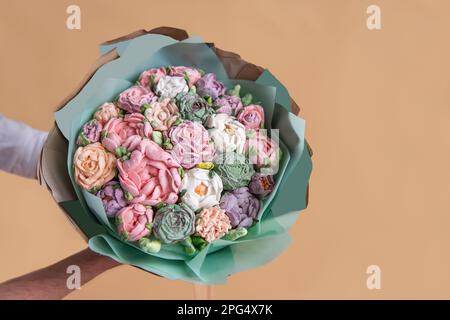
(174, 164)
(178, 159)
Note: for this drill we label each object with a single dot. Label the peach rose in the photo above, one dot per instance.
(105, 112)
(94, 166)
(162, 114)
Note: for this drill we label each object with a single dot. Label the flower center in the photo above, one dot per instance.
(265, 183)
(162, 116)
(251, 117)
(229, 129)
(201, 189)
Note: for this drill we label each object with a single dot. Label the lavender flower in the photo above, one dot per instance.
(231, 105)
(209, 86)
(112, 197)
(90, 133)
(261, 185)
(240, 206)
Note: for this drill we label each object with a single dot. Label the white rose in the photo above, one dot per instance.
(169, 86)
(203, 188)
(227, 133)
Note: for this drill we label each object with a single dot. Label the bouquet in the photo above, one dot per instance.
(173, 164)
(178, 159)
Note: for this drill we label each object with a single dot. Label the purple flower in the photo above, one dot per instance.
(209, 86)
(231, 105)
(240, 206)
(112, 197)
(261, 185)
(90, 133)
(132, 99)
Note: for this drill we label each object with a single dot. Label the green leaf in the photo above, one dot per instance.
(182, 192)
(124, 235)
(250, 134)
(157, 137)
(235, 234)
(121, 151)
(151, 246)
(160, 205)
(186, 77)
(235, 91)
(247, 99)
(252, 151)
(152, 79)
(188, 246)
(193, 89)
(178, 121)
(128, 196)
(168, 145)
(181, 172)
(145, 107)
(209, 100)
(95, 189)
(198, 242)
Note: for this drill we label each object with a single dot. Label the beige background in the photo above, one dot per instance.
(377, 106)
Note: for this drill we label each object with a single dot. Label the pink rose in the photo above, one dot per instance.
(212, 223)
(192, 75)
(134, 222)
(191, 146)
(150, 176)
(252, 116)
(262, 151)
(132, 99)
(93, 166)
(105, 112)
(162, 114)
(124, 131)
(151, 77)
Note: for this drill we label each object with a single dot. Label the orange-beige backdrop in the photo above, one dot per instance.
(377, 106)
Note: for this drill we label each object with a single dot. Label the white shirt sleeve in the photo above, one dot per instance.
(20, 147)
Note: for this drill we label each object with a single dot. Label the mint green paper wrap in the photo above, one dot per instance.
(266, 239)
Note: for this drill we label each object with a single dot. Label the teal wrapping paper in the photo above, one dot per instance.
(212, 265)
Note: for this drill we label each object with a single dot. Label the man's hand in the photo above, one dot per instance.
(50, 282)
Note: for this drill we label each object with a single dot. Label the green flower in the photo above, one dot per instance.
(173, 222)
(193, 107)
(234, 169)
